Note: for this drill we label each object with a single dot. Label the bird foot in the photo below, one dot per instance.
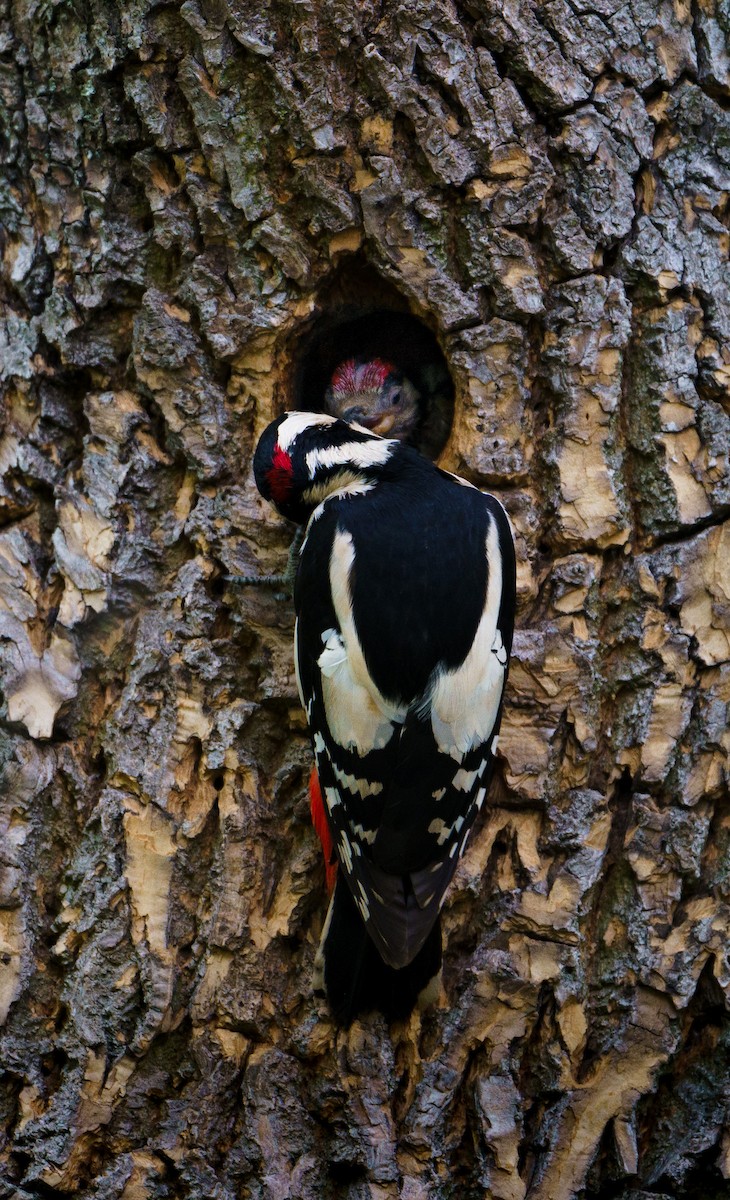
(284, 581)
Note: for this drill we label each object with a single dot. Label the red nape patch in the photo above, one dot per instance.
(352, 377)
(322, 829)
(280, 475)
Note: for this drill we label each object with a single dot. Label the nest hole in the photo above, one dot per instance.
(361, 316)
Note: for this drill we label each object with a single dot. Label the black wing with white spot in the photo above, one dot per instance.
(405, 600)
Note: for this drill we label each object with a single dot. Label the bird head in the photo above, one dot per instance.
(376, 395)
(303, 457)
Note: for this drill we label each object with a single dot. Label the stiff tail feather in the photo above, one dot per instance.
(354, 975)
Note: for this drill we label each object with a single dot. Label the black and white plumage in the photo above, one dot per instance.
(405, 595)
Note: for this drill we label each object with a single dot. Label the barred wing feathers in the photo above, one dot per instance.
(403, 641)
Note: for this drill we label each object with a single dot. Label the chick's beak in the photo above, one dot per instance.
(377, 422)
(383, 423)
(380, 422)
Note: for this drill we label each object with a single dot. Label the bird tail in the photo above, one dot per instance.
(354, 976)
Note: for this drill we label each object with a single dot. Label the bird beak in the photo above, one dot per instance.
(377, 422)
(383, 424)
(380, 423)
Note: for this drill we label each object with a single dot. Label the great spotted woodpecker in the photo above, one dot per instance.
(405, 596)
(375, 394)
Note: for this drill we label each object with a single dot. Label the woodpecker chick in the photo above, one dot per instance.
(405, 598)
(375, 395)
(372, 394)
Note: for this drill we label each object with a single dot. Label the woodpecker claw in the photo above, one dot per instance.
(285, 580)
(257, 580)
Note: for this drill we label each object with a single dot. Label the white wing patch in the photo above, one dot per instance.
(464, 703)
(358, 716)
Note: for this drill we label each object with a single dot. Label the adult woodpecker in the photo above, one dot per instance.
(375, 394)
(405, 596)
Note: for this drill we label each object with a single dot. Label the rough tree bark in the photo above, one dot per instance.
(185, 191)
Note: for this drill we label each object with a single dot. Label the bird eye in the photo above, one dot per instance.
(395, 398)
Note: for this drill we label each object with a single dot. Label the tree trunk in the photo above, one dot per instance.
(190, 194)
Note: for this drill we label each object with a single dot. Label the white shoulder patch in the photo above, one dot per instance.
(333, 654)
(464, 703)
(358, 716)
